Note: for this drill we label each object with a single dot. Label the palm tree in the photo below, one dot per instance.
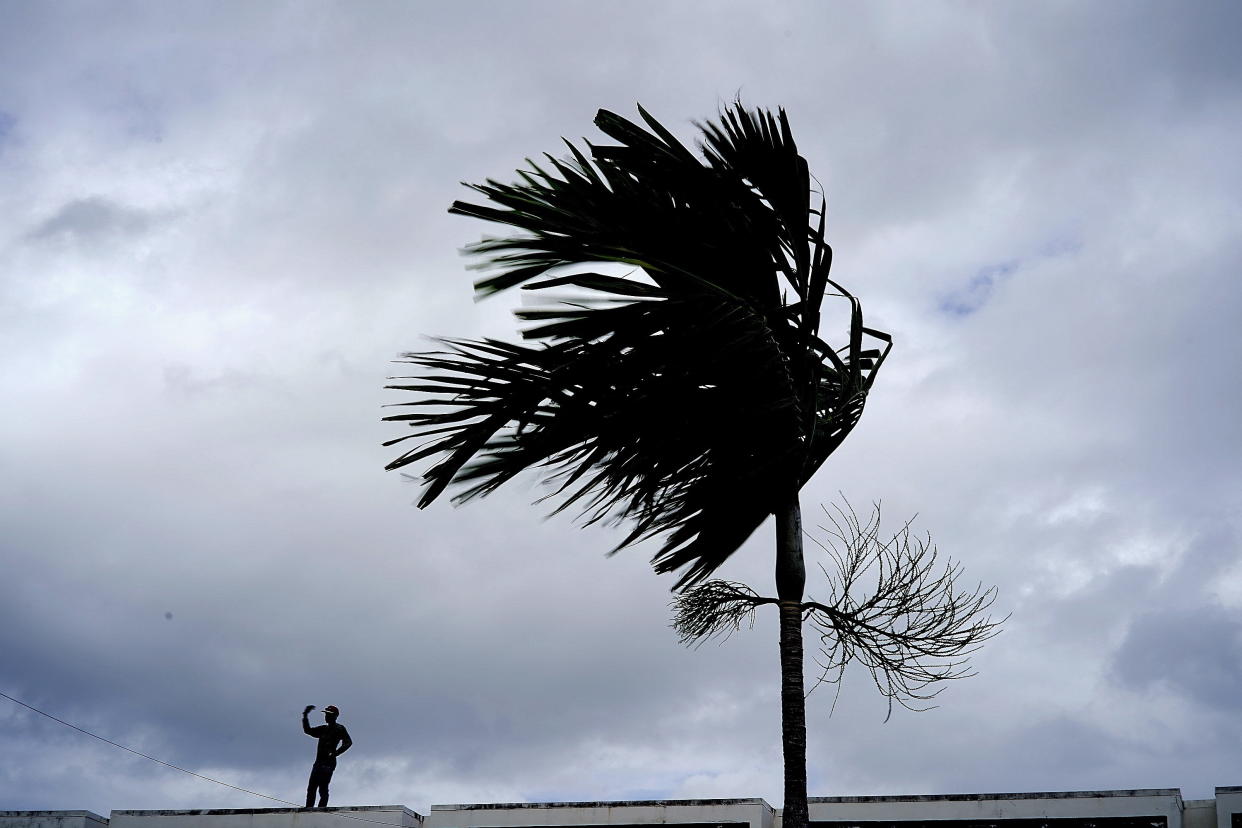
(682, 387)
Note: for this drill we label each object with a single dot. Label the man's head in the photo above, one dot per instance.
(331, 712)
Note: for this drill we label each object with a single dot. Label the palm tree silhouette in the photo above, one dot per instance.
(682, 386)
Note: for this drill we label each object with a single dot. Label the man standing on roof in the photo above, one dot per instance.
(333, 741)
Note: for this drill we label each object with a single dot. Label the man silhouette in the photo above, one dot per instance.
(333, 741)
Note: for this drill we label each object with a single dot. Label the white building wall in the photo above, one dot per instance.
(1228, 803)
(373, 816)
(1166, 804)
(51, 819)
(1080, 804)
(752, 813)
(1199, 813)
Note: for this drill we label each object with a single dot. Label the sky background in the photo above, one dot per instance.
(220, 222)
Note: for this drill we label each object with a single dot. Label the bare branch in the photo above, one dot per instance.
(893, 609)
(891, 606)
(714, 609)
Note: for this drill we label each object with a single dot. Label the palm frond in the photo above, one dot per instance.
(685, 398)
(714, 609)
(635, 417)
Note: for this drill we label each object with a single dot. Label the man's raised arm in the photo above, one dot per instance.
(306, 728)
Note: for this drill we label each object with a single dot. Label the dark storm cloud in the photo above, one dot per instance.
(8, 122)
(91, 219)
(1193, 651)
(1182, 639)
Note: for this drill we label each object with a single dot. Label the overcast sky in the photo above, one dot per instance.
(219, 222)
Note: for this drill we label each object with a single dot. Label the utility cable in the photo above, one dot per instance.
(175, 767)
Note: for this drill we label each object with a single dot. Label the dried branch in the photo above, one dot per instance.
(895, 611)
(714, 609)
(891, 607)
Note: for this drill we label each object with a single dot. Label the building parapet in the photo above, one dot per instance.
(1137, 808)
(364, 816)
(685, 813)
(51, 819)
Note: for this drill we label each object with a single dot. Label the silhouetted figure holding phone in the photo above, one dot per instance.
(333, 741)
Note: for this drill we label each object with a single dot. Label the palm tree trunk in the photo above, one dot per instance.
(790, 583)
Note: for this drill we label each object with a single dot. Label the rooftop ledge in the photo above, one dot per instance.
(233, 811)
(617, 803)
(1002, 796)
(89, 814)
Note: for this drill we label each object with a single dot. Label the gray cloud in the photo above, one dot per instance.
(91, 219)
(1039, 202)
(1194, 651)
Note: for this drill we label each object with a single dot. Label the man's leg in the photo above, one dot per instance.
(324, 779)
(311, 785)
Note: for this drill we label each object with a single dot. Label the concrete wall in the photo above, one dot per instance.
(1228, 803)
(749, 813)
(1165, 803)
(1199, 813)
(373, 816)
(51, 819)
(1162, 804)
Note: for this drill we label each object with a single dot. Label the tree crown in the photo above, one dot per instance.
(686, 395)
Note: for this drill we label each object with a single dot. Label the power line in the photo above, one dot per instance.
(176, 767)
